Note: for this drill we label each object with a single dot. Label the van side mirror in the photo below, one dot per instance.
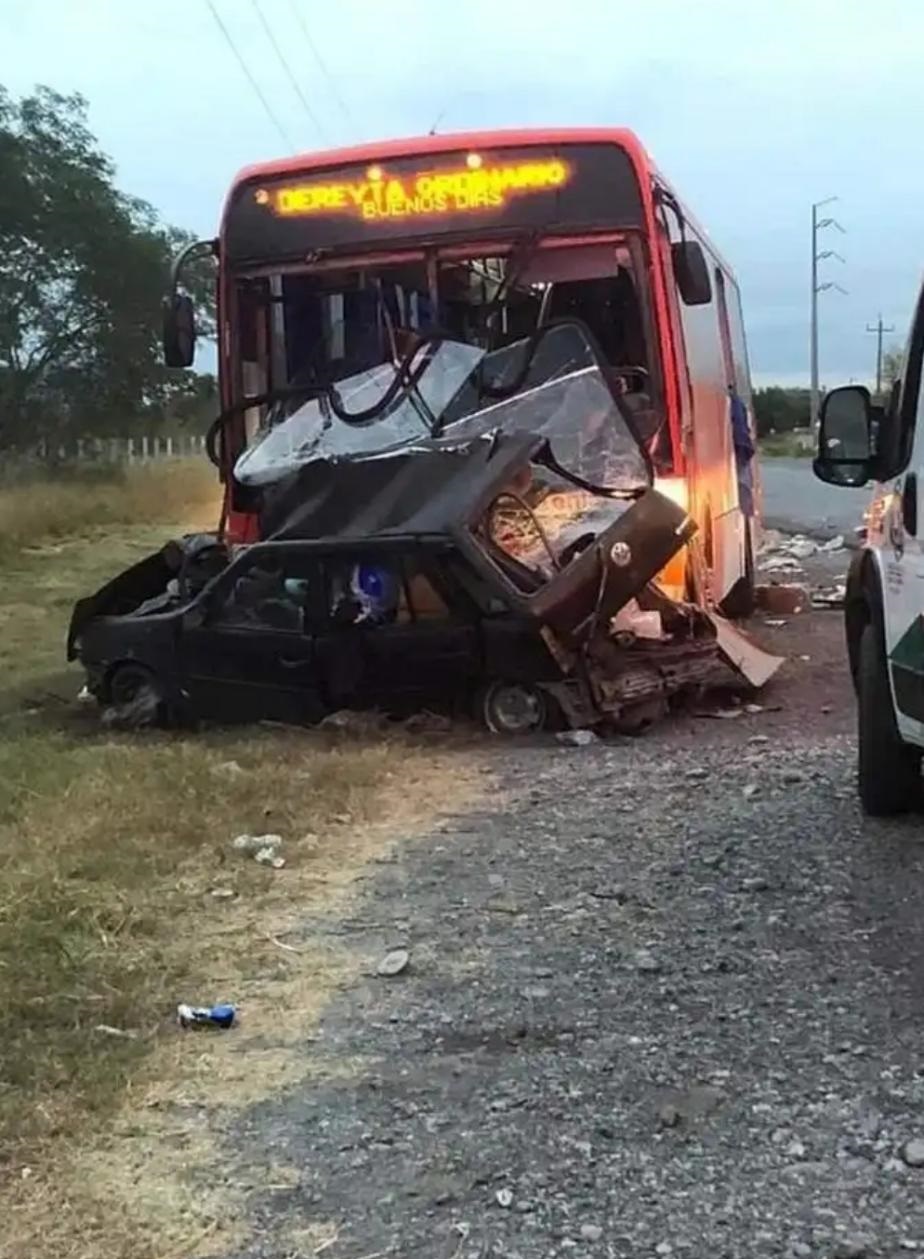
(845, 437)
(691, 273)
(179, 334)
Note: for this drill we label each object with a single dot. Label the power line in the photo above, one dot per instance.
(250, 79)
(287, 70)
(316, 53)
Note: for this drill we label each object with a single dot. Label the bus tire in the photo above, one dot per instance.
(888, 769)
(741, 600)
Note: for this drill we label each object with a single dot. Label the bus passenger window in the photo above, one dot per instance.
(728, 357)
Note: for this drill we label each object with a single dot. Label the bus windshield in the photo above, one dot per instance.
(369, 358)
(551, 384)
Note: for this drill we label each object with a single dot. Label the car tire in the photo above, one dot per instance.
(126, 686)
(513, 708)
(888, 769)
(742, 598)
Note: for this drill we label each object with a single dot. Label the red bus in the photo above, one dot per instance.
(328, 262)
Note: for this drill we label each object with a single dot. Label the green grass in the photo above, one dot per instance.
(786, 445)
(72, 505)
(110, 845)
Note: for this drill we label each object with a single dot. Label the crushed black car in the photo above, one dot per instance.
(502, 564)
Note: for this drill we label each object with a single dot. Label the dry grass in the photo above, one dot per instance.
(73, 505)
(110, 849)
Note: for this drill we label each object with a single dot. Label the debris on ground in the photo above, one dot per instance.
(269, 856)
(912, 1152)
(832, 596)
(426, 722)
(393, 963)
(781, 554)
(576, 738)
(779, 598)
(504, 1198)
(263, 848)
(833, 545)
(348, 721)
(228, 769)
(119, 1033)
(223, 893)
(252, 844)
(218, 1016)
(775, 623)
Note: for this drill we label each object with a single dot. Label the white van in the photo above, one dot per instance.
(859, 442)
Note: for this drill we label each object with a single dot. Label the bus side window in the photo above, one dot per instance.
(728, 357)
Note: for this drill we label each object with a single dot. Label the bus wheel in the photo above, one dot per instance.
(888, 769)
(741, 599)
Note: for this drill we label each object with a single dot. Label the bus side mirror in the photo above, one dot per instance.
(691, 273)
(845, 437)
(179, 335)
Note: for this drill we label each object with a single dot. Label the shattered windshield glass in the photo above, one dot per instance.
(550, 384)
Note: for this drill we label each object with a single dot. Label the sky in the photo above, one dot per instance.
(752, 110)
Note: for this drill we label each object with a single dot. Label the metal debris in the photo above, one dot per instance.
(829, 596)
(215, 1016)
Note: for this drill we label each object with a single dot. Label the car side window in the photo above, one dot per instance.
(268, 595)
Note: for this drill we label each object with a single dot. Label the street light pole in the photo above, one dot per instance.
(817, 225)
(813, 368)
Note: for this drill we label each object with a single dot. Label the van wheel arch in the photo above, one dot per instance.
(863, 604)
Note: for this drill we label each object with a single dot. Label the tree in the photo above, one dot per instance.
(83, 269)
(891, 368)
(778, 410)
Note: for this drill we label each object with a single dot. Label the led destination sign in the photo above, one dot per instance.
(380, 195)
(427, 197)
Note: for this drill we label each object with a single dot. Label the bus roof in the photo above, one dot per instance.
(381, 150)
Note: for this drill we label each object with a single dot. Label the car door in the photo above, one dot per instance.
(896, 534)
(251, 660)
(409, 666)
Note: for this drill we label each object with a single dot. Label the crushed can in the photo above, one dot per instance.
(205, 1015)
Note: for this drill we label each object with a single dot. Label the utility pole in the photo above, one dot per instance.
(817, 226)
(879, 328)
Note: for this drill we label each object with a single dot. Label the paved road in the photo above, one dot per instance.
(665, 999)
(795, 499)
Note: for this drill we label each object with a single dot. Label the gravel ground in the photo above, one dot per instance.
(664, 999)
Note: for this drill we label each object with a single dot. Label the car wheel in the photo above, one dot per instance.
(888, 769)
(512, 708)
(741, 599)
(135, 697)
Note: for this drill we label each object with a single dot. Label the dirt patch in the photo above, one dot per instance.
(150, 1181)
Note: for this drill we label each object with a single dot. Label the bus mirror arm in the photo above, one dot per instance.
(179, 316)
